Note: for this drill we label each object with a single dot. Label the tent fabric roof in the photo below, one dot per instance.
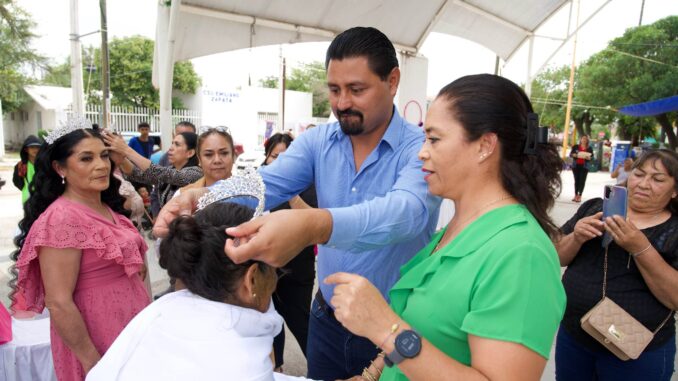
(652, 108)
(203, 27)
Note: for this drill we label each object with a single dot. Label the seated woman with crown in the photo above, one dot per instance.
(78, 254)
(223, 323)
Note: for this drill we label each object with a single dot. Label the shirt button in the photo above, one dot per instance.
(353, 189)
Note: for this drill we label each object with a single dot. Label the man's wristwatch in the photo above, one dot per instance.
(407, 346)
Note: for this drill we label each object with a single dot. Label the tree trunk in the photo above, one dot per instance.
(667, 128)
(579, 126)
(588, 121)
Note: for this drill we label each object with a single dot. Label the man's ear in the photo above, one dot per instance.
(393, 80)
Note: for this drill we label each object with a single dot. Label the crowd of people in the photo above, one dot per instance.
(480, 299)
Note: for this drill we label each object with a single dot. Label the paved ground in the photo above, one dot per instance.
(11, 213)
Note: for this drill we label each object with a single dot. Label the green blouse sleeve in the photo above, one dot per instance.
(518, 298)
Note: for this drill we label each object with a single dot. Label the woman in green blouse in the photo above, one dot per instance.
(484, 299)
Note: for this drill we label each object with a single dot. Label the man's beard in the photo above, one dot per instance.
(351, 121)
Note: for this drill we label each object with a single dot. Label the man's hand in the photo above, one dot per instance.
(182, 205)
(278, 237)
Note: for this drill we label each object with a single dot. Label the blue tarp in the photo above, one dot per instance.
(652, 108)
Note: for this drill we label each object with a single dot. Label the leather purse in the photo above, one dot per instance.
(615, 328)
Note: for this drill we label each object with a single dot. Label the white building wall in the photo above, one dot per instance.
(411, 96)
(239, 109)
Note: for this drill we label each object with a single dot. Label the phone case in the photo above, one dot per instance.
(615, 203)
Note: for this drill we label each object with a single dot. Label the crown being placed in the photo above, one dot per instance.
(245, 183)
(72, 123)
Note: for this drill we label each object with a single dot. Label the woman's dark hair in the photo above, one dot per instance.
(191, 140)
(194, 251)
(670, 161)
(213, 131)
(487, 103)
(46, 187)
(273, 141)
(365, 42)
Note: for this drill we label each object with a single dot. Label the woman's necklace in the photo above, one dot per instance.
(468, 219)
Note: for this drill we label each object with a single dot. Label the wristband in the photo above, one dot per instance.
(636, 255)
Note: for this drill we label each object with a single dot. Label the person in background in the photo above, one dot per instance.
(24, 169)
(78, 254)
(292, 297)
(143, 144)
(621, 173)
(182, 156)
(183, 126)
(641, 269)
(483, 300)
(581, 154)
(216, 155)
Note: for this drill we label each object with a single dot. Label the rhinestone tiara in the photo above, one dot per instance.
(72, 123)
(246, 182)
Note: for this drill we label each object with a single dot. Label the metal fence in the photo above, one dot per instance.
(126, 119)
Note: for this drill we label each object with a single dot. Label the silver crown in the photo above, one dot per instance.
(72, 123)
(246, 182)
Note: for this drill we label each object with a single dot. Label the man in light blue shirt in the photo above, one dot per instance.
(374, 210)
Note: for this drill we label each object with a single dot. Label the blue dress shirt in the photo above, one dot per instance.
(382, 215)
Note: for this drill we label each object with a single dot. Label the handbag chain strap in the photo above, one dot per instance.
(605, 289)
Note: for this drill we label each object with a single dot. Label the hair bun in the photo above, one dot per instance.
(180, 251)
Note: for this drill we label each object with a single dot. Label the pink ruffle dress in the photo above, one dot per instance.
(109, 291)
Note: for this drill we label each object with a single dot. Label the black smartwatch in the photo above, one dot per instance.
(407, 346)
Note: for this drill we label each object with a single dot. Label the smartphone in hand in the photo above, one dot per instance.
(615, 203)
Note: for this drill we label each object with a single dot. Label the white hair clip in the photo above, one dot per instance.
(245, 183)
(72, 123)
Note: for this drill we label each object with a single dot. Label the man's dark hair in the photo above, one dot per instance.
(365, 42)
(186, 123)
(143, 124)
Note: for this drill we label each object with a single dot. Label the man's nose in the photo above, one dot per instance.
(344, 102)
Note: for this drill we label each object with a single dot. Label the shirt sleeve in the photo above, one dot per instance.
(166, 175)
(519, 298)
(400, 215)
(292, 172)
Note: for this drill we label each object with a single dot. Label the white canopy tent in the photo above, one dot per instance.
(193, 28)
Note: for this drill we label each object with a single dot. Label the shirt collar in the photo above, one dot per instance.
(467, 242)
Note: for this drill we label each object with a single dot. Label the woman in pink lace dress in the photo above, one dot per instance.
(78, 254)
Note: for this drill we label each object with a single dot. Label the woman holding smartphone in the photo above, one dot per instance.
(581, 154)
(642, 274)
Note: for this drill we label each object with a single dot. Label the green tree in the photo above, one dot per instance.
(549, 95)
(58, 75)
(270, 82)
(310, 78)
(16, 55)
(131, 68)
(640, 66)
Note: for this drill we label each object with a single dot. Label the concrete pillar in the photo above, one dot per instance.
(411, 96)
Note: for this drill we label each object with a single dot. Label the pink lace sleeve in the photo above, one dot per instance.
(60, 227)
